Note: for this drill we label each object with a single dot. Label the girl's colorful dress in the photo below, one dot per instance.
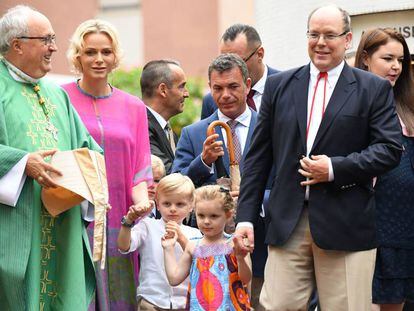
(118, 123)
(214, 280)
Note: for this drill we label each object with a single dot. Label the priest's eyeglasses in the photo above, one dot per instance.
(250, 56)
(314, 36)
(47, 40)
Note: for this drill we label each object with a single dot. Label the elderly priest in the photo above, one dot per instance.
(45, 262)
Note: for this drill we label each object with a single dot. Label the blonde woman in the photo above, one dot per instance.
(118, 122)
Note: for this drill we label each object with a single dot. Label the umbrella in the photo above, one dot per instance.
(234, 166)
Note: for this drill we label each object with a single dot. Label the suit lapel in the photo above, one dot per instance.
(300, 86)
(160, 133)
(226, 160)
(343, 89)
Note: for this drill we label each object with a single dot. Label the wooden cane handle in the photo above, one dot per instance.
(230, 146)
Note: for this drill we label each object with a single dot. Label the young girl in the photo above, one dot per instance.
(218, 275)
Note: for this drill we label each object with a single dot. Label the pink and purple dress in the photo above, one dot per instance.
(118, 123)
(214, 280)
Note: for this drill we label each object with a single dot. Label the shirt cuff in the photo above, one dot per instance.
(210, 168)
(247, 224)
(331, 172)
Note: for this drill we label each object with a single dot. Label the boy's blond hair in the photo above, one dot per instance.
(157, 164)
(176, 184)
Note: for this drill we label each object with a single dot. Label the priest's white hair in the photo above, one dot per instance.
(14, 24)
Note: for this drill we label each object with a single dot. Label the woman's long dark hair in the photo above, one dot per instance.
(371, 41)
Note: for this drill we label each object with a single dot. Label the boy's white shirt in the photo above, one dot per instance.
(153, 284)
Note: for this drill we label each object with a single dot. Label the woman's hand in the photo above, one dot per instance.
(140, 210)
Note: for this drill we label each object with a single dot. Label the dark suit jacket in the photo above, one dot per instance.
(209, 106)
(160, 145)
(190, 146)
(361, 134)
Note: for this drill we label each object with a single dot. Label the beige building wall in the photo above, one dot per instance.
(65, 16)
(126, 16)
(235, 11)
(189, 31)
(282, 24)
(184, 30)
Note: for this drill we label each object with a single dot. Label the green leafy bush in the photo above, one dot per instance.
(128, 81)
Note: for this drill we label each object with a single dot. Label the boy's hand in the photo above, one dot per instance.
(173, 226)
(139, 210)
(170, 238)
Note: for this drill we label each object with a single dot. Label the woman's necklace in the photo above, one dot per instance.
(42, 102)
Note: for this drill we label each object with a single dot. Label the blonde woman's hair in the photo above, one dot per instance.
(78, 40)
(176, 184)
(214, 192)
(157, 164)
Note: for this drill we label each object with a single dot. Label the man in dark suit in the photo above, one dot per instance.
(244, 41)
(329, 129)
(163, 86)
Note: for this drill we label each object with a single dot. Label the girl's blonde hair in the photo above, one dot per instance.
(215, 192)
(176, 184)
(78, 40)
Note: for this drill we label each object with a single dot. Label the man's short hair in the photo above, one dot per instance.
(154, 73)
(176, 183)
(252, 36)
(226, 62)
(13, 24)
(346, 19)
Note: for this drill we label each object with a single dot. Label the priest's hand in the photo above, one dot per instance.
(38, 169)
(212, 149)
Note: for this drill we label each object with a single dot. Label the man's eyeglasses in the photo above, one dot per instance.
(314, 36)
(47, 40)
(250, 56)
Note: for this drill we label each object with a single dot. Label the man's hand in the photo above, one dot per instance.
(243, 240)
(212, 149)
(38, 169)
(316, 169)
(139, 210)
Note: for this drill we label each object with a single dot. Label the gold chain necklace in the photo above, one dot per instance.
(42, 102)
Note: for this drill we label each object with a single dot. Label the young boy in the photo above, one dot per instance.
(175, 200)
(158, 172)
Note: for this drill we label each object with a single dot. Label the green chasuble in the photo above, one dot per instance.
(45, 262)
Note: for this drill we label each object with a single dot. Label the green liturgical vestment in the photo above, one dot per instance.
(45, 262)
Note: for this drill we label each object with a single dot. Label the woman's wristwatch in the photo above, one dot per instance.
(125, 223)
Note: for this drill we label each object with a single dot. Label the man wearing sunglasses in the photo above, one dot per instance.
(244, 41)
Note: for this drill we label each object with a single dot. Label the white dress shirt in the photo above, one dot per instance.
(153, 283)
(162, 122)
(259, 88)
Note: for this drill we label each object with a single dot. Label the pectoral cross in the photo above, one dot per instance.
(52, 129)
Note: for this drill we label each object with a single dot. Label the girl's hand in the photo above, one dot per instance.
(170, 238)
(239, 246)
(173, 226)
